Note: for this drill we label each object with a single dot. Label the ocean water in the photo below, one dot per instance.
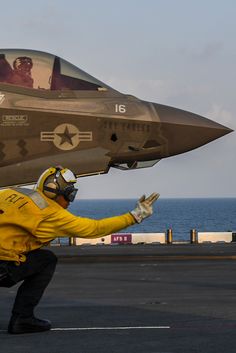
(181, 215)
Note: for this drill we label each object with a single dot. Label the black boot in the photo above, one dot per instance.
(19, 324)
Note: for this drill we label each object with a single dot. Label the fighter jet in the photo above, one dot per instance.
(53, 113)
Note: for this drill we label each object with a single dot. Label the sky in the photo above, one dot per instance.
(180, 53)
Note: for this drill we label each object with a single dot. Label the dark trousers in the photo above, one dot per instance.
(36, 272)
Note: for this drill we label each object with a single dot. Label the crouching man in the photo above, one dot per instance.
(30, 219)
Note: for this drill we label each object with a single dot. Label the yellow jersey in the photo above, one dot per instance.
(30, 220)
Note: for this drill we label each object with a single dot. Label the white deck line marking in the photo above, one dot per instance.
(110, 328)
(107, 328)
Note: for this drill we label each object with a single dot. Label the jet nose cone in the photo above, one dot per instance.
(185, 131)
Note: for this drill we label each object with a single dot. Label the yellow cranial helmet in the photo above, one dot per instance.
(56, 181)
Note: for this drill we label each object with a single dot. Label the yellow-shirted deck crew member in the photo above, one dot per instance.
(30, 219)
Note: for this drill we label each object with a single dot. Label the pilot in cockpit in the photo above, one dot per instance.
(20, 74)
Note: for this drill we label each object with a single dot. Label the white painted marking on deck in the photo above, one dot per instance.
(110, 328)
(107, 328)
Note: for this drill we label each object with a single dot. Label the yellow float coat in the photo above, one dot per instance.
(27, 222)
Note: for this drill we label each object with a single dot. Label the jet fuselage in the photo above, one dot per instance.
(52, 122)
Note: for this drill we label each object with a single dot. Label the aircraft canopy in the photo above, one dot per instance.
(43, 71)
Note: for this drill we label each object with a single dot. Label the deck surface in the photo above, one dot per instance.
(133, 299)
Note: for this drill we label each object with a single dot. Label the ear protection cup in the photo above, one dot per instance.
(44, 176)
(50, 190)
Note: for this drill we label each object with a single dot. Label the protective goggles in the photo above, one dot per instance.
(69, 193)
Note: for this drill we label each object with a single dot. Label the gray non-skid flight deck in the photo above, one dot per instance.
(138, 306)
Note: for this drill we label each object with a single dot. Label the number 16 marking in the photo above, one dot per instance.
(120, 108)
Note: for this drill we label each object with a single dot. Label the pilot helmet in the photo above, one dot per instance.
(56, 181)
(23, 63)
